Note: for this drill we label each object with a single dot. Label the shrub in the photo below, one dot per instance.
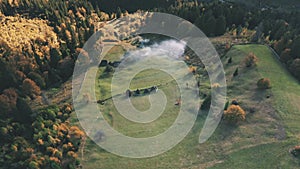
(250, 60)
(264, 83)
(229, 60)
(192, 69)
(236, 72)
(234, 113)
(226, 105)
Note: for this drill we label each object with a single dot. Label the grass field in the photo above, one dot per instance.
(142, 103)
(285, 91)
(262, 141)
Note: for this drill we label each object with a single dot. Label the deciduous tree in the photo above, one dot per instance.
(234, 113)
(30, 88)
(264, 83)
(251, 60)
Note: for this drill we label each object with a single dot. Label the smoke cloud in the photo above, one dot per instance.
(170, 48)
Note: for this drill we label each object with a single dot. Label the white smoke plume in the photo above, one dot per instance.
(171, 48)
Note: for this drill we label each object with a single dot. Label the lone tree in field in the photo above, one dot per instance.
(234, 113)
(236, 72)
(229, 60)
(264, 83)
(250, 60)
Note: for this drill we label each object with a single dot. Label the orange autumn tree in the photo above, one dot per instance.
(250, 60)
(75, 135)
(192, 69)
(234, 113)
(264, 83)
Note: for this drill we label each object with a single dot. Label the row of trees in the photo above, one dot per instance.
(214, 18)
(130, 5)
(281, 31)
(289, 54)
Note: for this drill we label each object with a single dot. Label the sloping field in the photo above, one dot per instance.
(262, 141)
(285, 100)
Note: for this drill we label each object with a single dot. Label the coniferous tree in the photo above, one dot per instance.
(236, 72)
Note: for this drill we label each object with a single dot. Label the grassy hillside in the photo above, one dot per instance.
(262, 141)
(285, 90)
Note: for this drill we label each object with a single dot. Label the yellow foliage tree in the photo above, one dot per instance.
(235, 113)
